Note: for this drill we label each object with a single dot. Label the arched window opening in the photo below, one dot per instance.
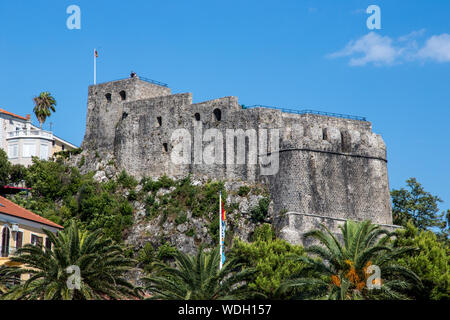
(108, 97)
(166, 147)
(324, 134)
(159, 121)
(197, 116)
(5, 241)
(123, 95)
(217, 114)
(124, 115)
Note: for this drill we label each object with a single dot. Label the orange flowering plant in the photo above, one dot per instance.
(343, 269)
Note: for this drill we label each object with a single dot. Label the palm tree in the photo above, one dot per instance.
(340, 270)
(101, 264)
(44, 105)
(3, 280)
(198, 278)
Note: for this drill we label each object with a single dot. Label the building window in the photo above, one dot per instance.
(165, 146)
(5, 241)
(159, 121)
(13, 151)
(197, 117)
(19, 239)
(123, 95)
(108, 97)
(44, 152)
(63, 147)
(29, 150)
(36, 240)
(48, 244)
(324, 134)
(217, 114)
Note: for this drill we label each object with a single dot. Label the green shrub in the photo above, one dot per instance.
(150, 200)
(243, 191)
(147, 184)
(263, 232)
(165, 182)
(181, 218)
(259, 213)
(17, 173)
(132, 196)
(430, 262)
(82, 161)
(214, 229)
(272, 259)
(126, 180)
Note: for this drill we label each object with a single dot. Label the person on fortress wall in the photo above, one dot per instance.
(133, 74)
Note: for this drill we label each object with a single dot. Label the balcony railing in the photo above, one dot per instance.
(30, 133)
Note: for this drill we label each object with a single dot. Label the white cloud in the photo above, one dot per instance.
(371, 48)
(378, 50)
(436, 48)
(412, 35)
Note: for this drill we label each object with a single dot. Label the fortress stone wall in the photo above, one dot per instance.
(329, 169)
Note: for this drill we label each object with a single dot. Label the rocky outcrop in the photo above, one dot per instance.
(187, 234)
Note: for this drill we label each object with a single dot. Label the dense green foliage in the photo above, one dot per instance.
(343, 268)
(243, 191)
(101, 263)
(272, 260)
(17, 173)
(259, 213)
(5, 168)
(198, 277)
(418, 206)
(61, 194)
(430, 262)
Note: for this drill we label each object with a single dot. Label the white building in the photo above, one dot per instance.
(22, 140)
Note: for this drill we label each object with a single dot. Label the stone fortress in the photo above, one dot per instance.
(330, 167)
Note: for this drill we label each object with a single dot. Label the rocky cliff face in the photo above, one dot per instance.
(187, 229)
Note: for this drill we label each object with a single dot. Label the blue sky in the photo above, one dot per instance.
(295, 54)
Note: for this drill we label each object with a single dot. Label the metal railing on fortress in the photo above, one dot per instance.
(322, 113)
(162, 84)
(158, 83)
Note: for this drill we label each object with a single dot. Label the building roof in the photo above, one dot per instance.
(10, 208)
(36, 127)
(65, 141)
(13, 115)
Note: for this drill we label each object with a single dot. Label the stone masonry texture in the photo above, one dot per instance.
(330, 169)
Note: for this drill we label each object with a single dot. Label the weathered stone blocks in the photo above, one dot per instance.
(329, 167)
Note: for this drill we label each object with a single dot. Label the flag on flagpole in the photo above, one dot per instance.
(222, 227)
(95, 65)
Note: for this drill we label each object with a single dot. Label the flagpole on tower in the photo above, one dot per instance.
(95, 66)
(220, 230)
